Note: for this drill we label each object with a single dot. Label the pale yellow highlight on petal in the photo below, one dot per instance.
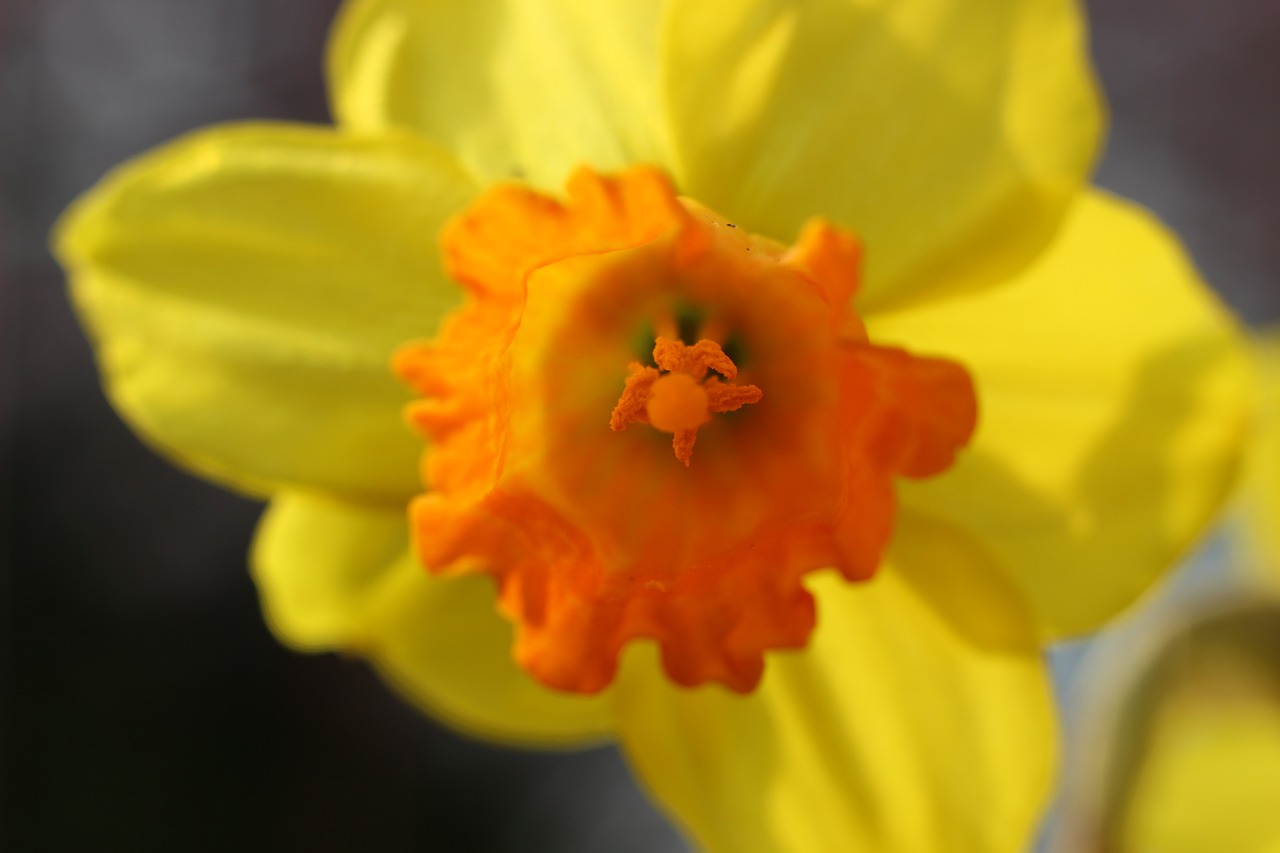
(245, 287)
(339, 576)
(918, 720)
(1114, 397)
(518, 88)
(950, 136)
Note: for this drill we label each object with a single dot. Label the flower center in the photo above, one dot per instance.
(594, 536)
(677, 397)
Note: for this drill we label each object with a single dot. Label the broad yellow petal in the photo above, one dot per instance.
(520, 89)
(950, 135)
(1112, 395)
(245, 287)
(339, 576)
(918, 720)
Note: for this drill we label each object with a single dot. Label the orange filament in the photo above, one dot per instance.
(594, 538)
(679, 401)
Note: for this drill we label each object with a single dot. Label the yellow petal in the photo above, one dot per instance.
(339, 576)
(950, 135)
(519, 89)
(917, 721)
(1113, 396)
(245, 287)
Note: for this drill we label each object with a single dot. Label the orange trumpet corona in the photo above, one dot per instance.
(625, 306)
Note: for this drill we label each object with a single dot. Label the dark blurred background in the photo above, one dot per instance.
(143, 704)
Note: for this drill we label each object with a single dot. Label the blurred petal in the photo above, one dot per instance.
(1260, 537)
(245, 287)
(339, 576)
(1210, 781)
(917, 720)
(949, 135)
(1179, 749)
(1112, 395)
(518, 89)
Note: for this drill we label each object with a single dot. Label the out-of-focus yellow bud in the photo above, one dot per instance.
(1185, 758)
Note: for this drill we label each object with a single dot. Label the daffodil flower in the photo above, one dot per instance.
(652, 423)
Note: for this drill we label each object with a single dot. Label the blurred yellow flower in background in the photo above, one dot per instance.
(1182, 747)
(1258, 529)
(246, 287)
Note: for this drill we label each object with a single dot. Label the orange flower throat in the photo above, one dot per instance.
(625, 305)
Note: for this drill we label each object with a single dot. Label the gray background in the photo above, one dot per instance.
(143, 705)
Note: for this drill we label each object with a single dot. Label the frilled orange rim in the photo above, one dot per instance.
(647, 423)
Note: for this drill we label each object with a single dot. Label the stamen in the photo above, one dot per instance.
(694, 360)
(679, 398)
(631, 405)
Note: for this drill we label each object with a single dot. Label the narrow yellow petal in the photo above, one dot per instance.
(950, 135)
(338, 576)
(519, 89)
(245, 287)
(1113, 396)
(918, 720)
